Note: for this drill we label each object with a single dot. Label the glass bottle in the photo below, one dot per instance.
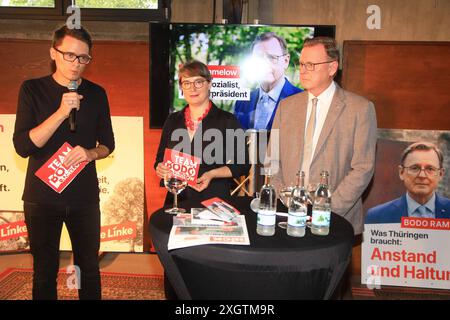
(321, 212)
(267, 209)
(298, 208)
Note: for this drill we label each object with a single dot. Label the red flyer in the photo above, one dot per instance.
(183, 165)
(55, 174)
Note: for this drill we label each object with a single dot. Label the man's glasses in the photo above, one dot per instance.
(188, 84)
(312, 66)
(71, 57)
(415, 170)
(273, 58)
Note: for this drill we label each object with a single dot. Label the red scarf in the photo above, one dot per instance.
(190, 124)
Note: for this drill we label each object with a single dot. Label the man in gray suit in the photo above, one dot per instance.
(325, 128)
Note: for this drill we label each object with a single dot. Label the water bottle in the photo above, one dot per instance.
(298, 208)
(321, 212)
(267, 209)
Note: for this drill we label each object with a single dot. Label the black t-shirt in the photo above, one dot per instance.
(38, 100)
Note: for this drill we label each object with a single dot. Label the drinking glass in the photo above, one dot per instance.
(254, 204)
(175, 184)
(285, 197)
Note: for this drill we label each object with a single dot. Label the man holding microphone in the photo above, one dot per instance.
(42, 127)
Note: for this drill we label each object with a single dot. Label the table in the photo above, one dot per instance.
(277, 267)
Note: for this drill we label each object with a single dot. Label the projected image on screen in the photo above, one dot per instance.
(241, 59)
(227, 50)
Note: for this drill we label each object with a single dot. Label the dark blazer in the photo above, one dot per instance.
(393, 211)
(215, 119)
(245, 110)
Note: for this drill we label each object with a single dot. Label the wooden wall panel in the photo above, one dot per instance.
(401, 20)
(21, 60)
(122, 68)
(409, 82)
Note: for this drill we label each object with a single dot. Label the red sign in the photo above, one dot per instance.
(13, 230)
(126, 230)
(55, 174)
(182, 165)
(224, 71)
(425, 223)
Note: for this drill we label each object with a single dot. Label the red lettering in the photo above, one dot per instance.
(426, 223)
(53, 179)
(60, 171)
(376, 254)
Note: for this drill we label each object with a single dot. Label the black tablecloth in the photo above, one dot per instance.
(277, 267)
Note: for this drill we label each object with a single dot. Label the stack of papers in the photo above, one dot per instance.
(223, 210)
(203, 226)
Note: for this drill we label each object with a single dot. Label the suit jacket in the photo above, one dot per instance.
(346, 149)
(245, 110)
(393, 211)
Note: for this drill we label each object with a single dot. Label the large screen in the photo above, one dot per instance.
(226, 49)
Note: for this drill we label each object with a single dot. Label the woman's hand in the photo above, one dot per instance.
(203, 181)
(162, 170)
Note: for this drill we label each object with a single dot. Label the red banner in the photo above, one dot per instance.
(13, 230)
(126, 230)
(225, 71)
(426, 223)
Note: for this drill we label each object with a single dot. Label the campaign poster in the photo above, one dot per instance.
(13, 231)
(121, 187)
(12, 167)
(227, 51)
(413, 253)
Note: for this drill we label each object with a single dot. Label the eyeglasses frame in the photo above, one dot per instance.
(202, 81)
(436, 173)
(76, 56)
(313, 64)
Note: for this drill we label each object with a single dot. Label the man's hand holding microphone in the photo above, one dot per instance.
(69, 101)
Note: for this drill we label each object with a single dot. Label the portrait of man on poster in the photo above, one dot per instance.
(421, 170)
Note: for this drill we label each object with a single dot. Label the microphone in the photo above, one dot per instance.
(73, 86)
